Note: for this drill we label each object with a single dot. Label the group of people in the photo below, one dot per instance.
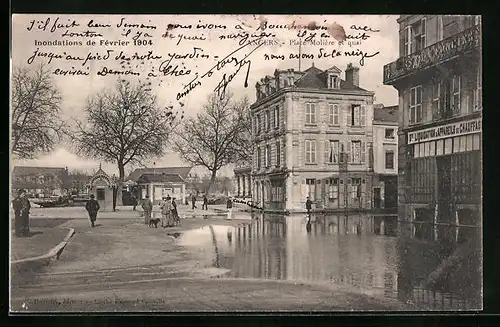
(169, 213)
(204, 206)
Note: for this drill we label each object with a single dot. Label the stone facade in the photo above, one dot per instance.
(303, 133)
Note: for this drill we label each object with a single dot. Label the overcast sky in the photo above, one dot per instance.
(75, 89)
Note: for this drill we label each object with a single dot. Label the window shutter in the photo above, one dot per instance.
(348, 117)
(363, 151)
(327, 151)
(349, 150)
(362, 113)
(337, 110)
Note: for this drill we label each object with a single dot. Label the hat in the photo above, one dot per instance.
(20, 191)
(91, 196)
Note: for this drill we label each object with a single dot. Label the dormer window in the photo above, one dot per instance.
(290, 81)
(268, 89)
(333, 82)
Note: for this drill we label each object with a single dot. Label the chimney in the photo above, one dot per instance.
(352, 75)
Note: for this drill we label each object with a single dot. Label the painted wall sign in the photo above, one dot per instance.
(444, 131)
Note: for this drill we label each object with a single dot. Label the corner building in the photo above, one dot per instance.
(439, 79)
(312, 135)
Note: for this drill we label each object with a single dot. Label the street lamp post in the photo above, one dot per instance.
(115, 193)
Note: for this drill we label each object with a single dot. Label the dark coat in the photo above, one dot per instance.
(229, 204)
(308, 204)
(17, 205)
(92, 206)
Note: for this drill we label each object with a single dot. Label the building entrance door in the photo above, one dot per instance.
(377, 199)
(444, 196)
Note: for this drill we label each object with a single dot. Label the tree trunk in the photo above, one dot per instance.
(119, 186)
(211, 185)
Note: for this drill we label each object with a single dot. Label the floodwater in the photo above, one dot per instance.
(360, 252)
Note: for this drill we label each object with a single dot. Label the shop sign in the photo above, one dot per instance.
(445, 131)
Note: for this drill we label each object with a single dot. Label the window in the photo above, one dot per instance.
(311, 188)
(389, 159)
(285, 83)
(268, 155)
(356, 152)
(268, 120)
(478, 92)
(258, 123)
(278, 153)
(415, 37)
(276, 116)
(310, 147)
(290, 81)
(259, 158)
(333, 114)
(100, 194)
(455, 87)
(416, 105)
(355, 187)
(333, 82)
(332, 151)
(436, 100)
(333, 189)
(356, 116)
(390, 134)
(310, 113)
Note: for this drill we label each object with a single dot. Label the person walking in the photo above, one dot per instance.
(229, 206)
(205, 203)
(308, 205)
(147, 206)
(92, 207)
(193, 201)
(134, 202)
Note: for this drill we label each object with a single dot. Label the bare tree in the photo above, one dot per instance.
(214, 138)
(125, 126)
(36, 124)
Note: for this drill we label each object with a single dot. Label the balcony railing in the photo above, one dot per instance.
(433, 55)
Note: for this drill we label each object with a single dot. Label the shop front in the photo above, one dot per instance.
(445, 174)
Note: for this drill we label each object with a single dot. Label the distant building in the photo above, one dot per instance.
(385, 154)
(439, 79)
(159, 182)
(312, 133)
(40, 181)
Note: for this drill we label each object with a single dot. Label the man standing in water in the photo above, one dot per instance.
(92, 207)
(229, 206)
(308, 205)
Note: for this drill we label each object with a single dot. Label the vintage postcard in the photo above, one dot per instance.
(169, 163)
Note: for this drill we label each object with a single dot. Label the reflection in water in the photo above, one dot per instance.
(357, 251)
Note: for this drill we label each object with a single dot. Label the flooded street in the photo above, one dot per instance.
(359, 252)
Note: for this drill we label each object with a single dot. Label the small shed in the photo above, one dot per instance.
(101, 186)
(160, 185)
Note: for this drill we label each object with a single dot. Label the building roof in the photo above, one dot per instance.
(163, 178)
(181, 171)
(24, 170)
(385, 114)
(316, 78)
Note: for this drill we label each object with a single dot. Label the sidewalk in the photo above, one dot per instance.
(41, 241)
(200, 294)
